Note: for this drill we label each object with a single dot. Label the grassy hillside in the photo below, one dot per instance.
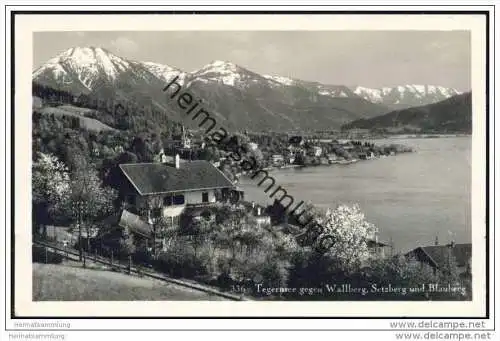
(72, 111)
(69, 282)
(453, 115)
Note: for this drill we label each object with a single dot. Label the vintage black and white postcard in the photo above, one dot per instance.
(215, 165)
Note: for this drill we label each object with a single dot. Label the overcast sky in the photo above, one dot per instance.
(367, 58)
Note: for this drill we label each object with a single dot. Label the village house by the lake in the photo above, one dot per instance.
(162, 189)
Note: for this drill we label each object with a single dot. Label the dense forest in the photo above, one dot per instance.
(120, 113)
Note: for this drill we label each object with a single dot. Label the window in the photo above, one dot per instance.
(173, 200)
(178, 199)
(204, 197)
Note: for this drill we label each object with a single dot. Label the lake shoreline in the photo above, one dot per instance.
(411, 198)
(417, 136)
(333, 163)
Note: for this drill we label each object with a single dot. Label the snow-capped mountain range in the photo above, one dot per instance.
(402, 96)
(83, 68)
(243, 97)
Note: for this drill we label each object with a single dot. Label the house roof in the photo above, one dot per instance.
(152, 178)
(438, 254)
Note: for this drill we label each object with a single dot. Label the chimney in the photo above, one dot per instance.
(177, 161)
(436, 242)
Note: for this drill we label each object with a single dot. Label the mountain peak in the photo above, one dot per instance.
(83, 52)
(88, 63)
(223, 72)
(219, 62)
(219, 66)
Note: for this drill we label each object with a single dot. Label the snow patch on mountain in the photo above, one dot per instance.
(219, 71)
(332, 93)
(91, 60)
(165, 72)
(217, 66)
(86, 64)
(279, 79)
(56, 69)
(372, 95)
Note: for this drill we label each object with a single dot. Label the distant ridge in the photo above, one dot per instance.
(452, 115)
(405, 96)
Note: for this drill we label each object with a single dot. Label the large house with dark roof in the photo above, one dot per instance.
(164, 189)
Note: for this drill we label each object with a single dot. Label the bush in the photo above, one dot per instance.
(181, 261)
(274, 273)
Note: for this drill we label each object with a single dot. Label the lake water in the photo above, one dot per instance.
(411, 198)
